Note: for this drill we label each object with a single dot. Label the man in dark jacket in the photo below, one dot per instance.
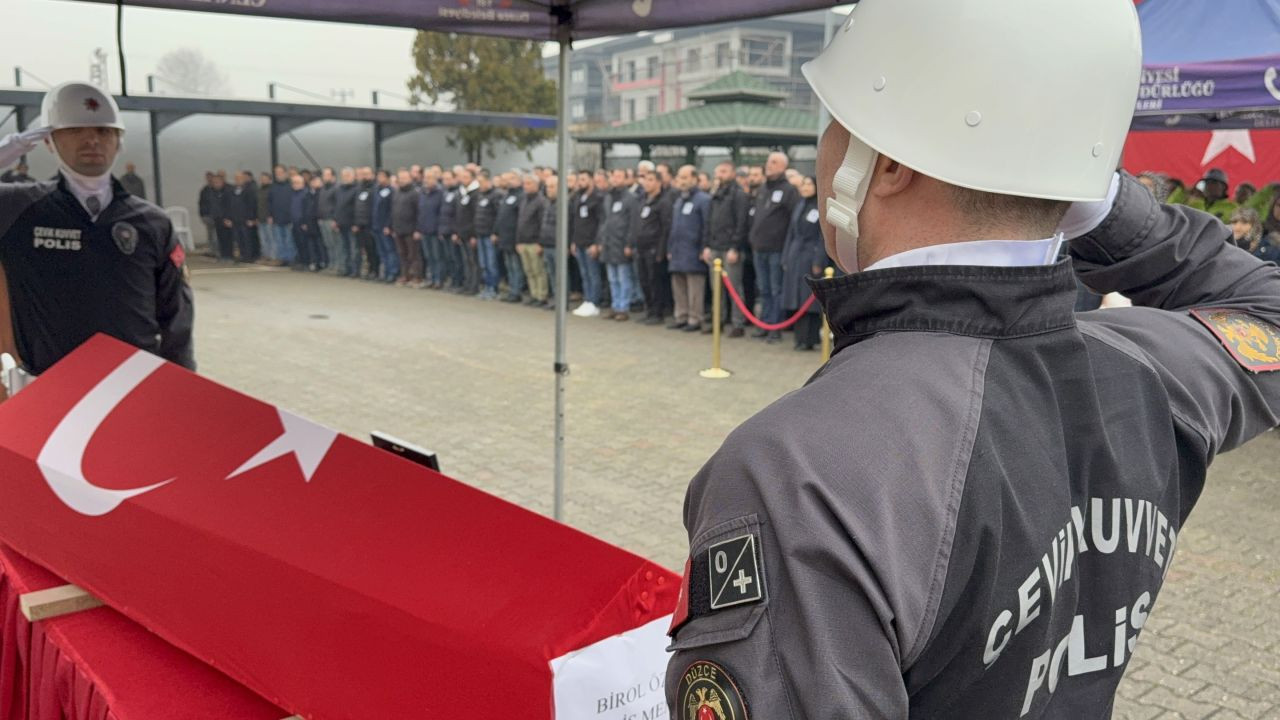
(346, 262)
(430, 199)
(652, 231)
(280, 198)
(243, 211)
(326, 208)
(617, 237)
(774, 206)
(486, 214)
(303, 218)
(388, 258)
(547, 236)
(506, 227)
(586, 220)
(690, 225)
(528, 228)
(362, 224)
(133, 183)
(204, 208)
(217, 199)
(404, 228)
(453, 266)
(465, 220)
(728, 236)
(265, 240)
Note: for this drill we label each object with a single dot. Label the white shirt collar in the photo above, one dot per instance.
(83, 187)
(990, 253)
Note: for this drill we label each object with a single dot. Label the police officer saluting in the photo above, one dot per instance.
(969, 512)
(82, 255)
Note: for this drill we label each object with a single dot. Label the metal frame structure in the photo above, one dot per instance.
(285, 117)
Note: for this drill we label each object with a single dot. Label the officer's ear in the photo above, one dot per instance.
(890, 177)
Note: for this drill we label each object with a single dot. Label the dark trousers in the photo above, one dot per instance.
(515, 272)
(369, 244)
(246, 239)
(457, 265)
(656, 281)
(352, 244)
(225, 240)
(410, 251)
(807, 329)
(471, 266)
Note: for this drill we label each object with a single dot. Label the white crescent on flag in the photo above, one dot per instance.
(61, 460)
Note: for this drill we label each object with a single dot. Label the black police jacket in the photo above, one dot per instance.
(71, 277)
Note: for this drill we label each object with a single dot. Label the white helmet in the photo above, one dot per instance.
(1004, 96)
(79, 104)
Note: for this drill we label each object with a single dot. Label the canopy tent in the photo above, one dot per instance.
(1212, 73)
(560, 21)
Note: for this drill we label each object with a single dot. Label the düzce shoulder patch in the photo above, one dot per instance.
(707, 692)
(1253, 342)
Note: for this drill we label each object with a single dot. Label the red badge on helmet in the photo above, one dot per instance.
(91, 105)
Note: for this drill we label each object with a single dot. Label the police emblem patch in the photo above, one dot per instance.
(126, 237)
(1252, 341)
(707, 692)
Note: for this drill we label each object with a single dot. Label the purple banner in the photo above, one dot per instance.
(1251, 84)
(529, 19)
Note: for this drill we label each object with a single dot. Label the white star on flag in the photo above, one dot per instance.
(1224, 140)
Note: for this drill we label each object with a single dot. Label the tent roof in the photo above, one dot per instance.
(1191, 31)
(720, 123)
(737, 85)
(528, 19)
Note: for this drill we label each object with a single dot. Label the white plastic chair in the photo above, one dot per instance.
(181, 220)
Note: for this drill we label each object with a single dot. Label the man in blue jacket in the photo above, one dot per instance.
(690, 224)
(430, 202)
(279, 201)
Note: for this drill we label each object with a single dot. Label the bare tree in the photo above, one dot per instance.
(187, 70)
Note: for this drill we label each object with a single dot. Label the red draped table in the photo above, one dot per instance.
(99, 665)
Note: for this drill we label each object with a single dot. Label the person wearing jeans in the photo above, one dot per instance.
(430, 199)
(486, 202)
(621, 213)
(775, 204)
(586, 220)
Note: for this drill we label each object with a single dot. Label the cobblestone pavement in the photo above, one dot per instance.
(472, 380)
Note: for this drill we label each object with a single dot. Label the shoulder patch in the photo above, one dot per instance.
(734, 572)
(708, 692)
(1252, 341)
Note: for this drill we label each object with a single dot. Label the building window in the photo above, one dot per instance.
(651, 106)
(630, 74)
(764, 51)
(631, 110)
(579, 110)
(653, 66)
(723, 55)
(579, 75)
(693, 59)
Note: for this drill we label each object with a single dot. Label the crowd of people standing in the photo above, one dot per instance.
(642, 239)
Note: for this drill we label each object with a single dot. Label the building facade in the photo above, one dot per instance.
(637, 77)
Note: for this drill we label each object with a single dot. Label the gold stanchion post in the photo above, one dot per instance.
(715, 372)
(826, 329)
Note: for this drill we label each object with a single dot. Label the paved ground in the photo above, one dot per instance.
(473, 381)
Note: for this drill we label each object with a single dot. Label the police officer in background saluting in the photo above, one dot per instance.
(82, 255)
(970, 510)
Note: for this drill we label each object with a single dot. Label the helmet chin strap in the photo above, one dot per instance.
(850, 186)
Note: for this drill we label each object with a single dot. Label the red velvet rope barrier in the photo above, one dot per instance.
(737, 300)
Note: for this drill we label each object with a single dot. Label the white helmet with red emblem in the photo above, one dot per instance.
(79, 104)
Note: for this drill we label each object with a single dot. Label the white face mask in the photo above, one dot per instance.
(850, 185)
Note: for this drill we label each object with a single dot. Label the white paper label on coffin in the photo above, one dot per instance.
(628, 671)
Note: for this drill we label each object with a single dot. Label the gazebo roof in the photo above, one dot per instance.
(738, 86)
(718, 123)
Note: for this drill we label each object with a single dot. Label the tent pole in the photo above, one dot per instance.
(562, 268)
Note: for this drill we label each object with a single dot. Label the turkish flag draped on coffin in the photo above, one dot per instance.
(1251, 156)
(334, 579)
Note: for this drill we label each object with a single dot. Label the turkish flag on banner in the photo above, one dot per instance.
(1251, 156)
(332, 578)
